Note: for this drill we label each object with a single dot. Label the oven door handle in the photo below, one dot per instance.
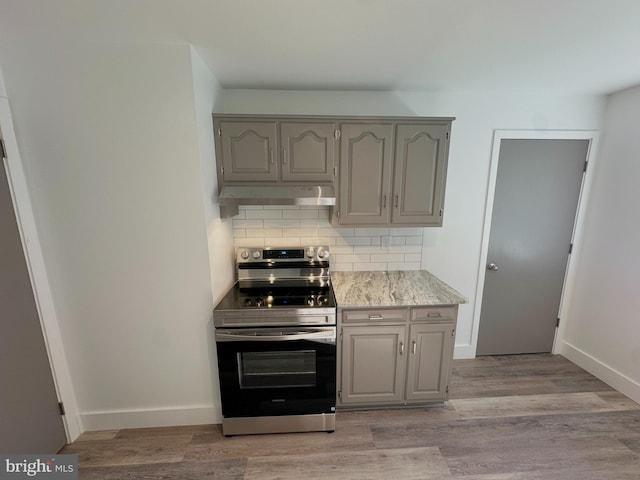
(231, 336)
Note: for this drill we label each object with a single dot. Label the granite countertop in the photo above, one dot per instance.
(392, 289)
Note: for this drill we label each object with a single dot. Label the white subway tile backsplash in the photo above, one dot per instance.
(249, 214)
(352, 248)
(371, 232)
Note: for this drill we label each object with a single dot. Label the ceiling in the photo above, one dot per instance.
(564, 46)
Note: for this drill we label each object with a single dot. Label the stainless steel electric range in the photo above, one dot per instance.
(276, 343)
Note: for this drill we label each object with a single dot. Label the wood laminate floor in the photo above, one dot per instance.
(519, 417)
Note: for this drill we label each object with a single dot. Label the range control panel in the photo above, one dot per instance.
(282, 255)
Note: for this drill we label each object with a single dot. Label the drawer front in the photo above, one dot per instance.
(374, 316)
(433, 314)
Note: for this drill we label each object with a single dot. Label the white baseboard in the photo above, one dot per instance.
(161, 417)
(464, 351)
(608, 375)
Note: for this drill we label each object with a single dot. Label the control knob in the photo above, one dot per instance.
(310, 252)
(256, 254)
(244, 254)
(322, 253)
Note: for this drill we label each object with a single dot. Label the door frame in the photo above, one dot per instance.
(38, 274)
(593, 136)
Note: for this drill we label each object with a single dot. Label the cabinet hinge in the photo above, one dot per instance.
(219, 132)
(222, 169)
(337, 134)
(335, 171)
(447, 390)
(340, 394)
(447, 135)
(61, 408)
(558, 322)
(453, 332)
(585, 166)
(340, 333)
(337, 213)
(570, 248)
(440, 212)
(3, 149)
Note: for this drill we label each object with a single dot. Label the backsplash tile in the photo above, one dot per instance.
(352, 248)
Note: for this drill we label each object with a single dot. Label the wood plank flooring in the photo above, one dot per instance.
(517, 417)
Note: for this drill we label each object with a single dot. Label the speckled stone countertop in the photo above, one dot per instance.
(392, 289)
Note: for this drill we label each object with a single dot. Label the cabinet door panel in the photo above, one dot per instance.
(248, 150)
(372, 364)
(419, 175)
(365, 174)
(430, 351)
(308, 151)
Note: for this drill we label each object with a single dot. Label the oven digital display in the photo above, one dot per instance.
(278, 254)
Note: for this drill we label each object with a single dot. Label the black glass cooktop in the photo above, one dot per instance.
(242, 296)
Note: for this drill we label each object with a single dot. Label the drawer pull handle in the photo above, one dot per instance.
(375, 316)
(433, 315)
(401, 348)
(413, 347)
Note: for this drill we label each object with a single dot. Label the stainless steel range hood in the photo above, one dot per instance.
(231, 197)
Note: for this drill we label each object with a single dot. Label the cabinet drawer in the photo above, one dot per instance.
(374, 316)
(433, 314)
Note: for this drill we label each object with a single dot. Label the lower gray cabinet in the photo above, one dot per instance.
(431, 350)
(395, 363)
(372, 364)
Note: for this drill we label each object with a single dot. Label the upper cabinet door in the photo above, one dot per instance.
(365, 174)
(421, 153)
(308, 151)
(249, 150)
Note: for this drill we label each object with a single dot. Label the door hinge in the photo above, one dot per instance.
(61, 408)
(219, 132)
(558, 322)
(585, 166)
(3, 148)
(570, 248)
(337, 134)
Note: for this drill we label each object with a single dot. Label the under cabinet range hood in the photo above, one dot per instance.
(231, 196)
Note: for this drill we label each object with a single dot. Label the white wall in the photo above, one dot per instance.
(108, 134)
(603, 328)
(453, 251)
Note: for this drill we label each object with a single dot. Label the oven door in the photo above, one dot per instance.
(277, 371)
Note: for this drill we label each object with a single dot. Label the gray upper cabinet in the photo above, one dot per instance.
(419, 174)
(365, 174)
(248, 150)
(308, 151)
(269, 150)
(393, 173)
(386, 170)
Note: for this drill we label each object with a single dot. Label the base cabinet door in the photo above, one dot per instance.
(430, 352)
(373, 360)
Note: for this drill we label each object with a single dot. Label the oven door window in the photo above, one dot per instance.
(284, 369)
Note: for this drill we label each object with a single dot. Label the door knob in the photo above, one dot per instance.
(493, 267)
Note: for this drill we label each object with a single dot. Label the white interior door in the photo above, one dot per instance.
(537, 190)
